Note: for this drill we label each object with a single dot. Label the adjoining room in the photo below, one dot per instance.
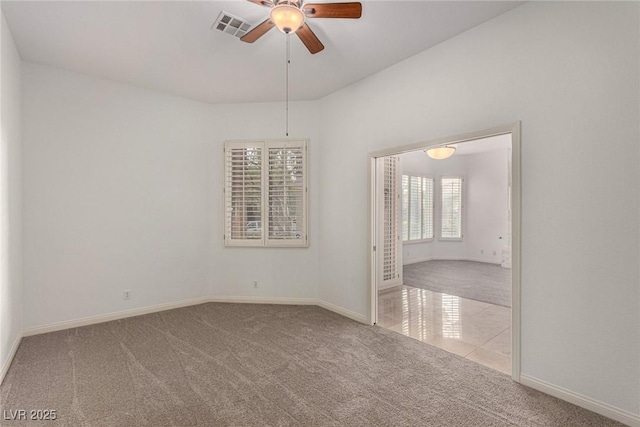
(454, 289)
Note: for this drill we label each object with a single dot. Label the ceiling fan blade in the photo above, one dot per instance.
(265, 3)
(258, 31)
(309, 39)
(351, 10)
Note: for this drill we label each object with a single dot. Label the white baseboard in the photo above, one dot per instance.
(264, 300)
(10, 356)
(596, 406)
(415, 261)
(343, 311)
(68, 324)
(486, 261)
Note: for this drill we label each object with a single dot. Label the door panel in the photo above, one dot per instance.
(389, 245)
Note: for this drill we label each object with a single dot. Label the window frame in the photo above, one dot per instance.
(410, 241)
(264, 241)
(462, 209)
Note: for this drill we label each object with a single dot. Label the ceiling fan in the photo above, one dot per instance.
(289, 17)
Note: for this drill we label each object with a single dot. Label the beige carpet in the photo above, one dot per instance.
(254, 365)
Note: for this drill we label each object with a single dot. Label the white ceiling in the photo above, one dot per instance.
(170, 47)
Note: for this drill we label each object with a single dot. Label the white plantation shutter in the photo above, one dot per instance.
(390, 218)
(243, 194)
(265, 193)
(451, 202)
(286, 194)
(427, 208)
(417, 208)
(405, 207)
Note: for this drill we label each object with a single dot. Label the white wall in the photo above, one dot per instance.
(569, 72)
(280, 272)
(123, 190)
(10, 196)
(487, 205)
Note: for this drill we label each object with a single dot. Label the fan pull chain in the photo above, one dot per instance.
(287, 86)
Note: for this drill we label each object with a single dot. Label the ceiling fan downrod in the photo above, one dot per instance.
(288, 55)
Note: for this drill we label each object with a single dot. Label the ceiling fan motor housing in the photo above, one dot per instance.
(287, 15)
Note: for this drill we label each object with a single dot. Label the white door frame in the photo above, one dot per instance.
(515, 131)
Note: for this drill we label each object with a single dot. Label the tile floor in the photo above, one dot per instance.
(476, 330)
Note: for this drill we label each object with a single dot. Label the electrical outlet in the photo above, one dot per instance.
(495, 253)
(255, 283)
(127, 294)
(481, 251)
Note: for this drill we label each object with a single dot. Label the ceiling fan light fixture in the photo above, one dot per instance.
(440, 153)
(287, 16)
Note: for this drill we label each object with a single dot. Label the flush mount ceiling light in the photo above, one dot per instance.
(440, 153)
(287, 16)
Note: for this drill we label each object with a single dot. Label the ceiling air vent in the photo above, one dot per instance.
(231, 24)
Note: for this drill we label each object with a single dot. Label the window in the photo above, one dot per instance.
(265, 193)
(451, 208)
(417, 208)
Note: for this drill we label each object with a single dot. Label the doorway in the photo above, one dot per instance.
(446, 245)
